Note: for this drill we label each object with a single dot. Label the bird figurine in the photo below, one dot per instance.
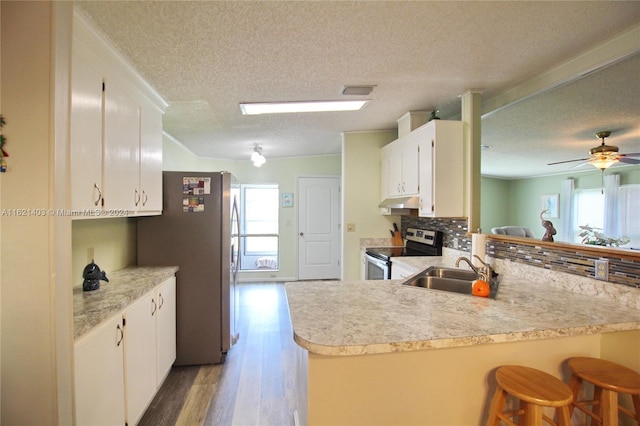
(549, 230)
(92, 276)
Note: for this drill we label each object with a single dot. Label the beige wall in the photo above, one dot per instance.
(113, 242)
(361, 195)
(36, 315)
(451, 386)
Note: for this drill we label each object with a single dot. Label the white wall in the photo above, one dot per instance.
(361, 194)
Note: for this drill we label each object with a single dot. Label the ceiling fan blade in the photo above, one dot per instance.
(633, 154)
(568, 161)
(580, 165)
(628, 160)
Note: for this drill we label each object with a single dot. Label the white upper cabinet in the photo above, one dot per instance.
(86, 134)
(400, 168)
(121, 147)
(150, 158)
(116, 132)
(441, 169)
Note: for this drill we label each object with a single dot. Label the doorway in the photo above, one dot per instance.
(319, 254)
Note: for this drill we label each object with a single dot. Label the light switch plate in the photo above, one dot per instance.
(602, 269)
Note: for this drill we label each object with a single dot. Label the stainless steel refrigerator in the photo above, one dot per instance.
(198, 232)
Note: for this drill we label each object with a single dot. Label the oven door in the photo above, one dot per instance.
(376, 269)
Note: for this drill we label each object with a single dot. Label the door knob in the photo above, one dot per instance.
(302, 234)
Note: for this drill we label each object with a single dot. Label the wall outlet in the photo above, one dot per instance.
(351, 227)
(602, 269)
(90, 256)
(455, 243)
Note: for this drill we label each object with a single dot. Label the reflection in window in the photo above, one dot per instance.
(589, 210)
(259, 227)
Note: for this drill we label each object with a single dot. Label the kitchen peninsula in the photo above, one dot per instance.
(377, 352)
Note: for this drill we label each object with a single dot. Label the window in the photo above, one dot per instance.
(588, 209)
(629, 214)
(259, 227)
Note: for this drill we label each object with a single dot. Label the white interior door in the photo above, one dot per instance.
(319, 228)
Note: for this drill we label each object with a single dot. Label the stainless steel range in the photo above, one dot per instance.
(420, 242)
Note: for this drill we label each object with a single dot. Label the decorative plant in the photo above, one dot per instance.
(594, 236)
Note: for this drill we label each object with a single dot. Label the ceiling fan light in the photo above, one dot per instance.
(257, 157)
(259, 161)
(603, 162)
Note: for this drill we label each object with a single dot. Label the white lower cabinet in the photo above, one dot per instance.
(166, 326)
(120, 365)
(140, 377)
(99, 382)
(399, 271)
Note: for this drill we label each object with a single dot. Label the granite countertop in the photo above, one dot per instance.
(125, 286)
(368, 317)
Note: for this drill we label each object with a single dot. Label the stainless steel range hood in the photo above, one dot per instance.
(400, 203)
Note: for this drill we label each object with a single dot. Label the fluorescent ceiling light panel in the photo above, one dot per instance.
(291, 107)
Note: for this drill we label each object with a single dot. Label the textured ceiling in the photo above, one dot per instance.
(206, 57)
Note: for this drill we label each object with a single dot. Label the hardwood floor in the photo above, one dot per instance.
(255, 385)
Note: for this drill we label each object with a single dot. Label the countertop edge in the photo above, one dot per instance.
(405, 346)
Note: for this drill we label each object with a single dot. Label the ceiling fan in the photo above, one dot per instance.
(603, 156)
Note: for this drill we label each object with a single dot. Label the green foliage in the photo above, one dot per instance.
(594, 236)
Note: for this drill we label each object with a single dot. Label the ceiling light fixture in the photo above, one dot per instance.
(257, 108)
(257, 157)
(603, 161)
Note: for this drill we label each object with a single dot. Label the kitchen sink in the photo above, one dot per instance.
(448, 279)
(460, 274)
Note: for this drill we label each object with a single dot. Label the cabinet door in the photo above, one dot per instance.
(426, 207)
(150, 158)
(395, 172)
(384, 172)
(121, 147)
(441, 169)
(99, 379)
(140, 356)
(410, 168)
(166, 325)
(86, 135)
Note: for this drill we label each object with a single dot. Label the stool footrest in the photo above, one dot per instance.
(581, 405)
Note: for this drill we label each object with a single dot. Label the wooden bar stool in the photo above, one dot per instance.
(608, 379)
(535, 389)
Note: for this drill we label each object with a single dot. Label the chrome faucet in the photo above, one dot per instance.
(485, 272)
(471, 265)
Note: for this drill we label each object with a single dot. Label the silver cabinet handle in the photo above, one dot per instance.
(95, 186)
(121, 333)
(136, 197)
(145, 197)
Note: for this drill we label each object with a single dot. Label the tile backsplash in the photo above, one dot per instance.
(621, 270)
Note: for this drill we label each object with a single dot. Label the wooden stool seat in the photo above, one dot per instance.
(609, 379)
(535, 389)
